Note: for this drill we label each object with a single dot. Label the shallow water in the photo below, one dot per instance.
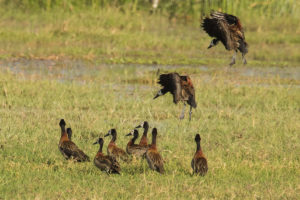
(77, 70)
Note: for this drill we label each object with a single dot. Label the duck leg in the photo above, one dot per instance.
(190, 113)
(182, 112)
(233, 59)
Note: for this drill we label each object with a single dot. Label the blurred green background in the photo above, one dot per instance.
(132, 31)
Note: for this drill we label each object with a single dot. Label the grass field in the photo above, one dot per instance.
(249, 127)
(110, 36)
(96, 68)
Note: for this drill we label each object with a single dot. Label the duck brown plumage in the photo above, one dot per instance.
(135, 149)
(154, 159)
(105, 162)
(69, 148)
(199, 162)
(113, 150)
(227, 29)
(181, 87)
(144, 141)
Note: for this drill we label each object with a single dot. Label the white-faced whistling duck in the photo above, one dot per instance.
(106, 163)
(113, 150)
(199, 162)
(180, 87)
(143, 141)
(227, 29)
(135, 149)
(69, 148)
(154, 159)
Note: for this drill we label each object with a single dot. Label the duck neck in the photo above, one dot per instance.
(198, 146)
(113, 139)
(145, 131)
(63, 130)
(100, 148)
(133, 140)
(153, 141)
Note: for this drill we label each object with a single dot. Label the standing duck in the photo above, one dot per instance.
(227, 29)
(106, 163)
(154, 159)
(182, 89)
(199, 162)
(143, 141)
(113, 150)
(69, 148)
(135, 149)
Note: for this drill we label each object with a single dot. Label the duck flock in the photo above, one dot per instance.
(110, 163)
(223, 27)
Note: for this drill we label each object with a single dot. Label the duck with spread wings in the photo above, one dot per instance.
(227, 29)
(182, 89)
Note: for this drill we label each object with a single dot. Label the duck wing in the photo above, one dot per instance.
(115, 166)
(200, 166)
(171, 83)
(108, 164)
(137, 150)
(119, 153)
(155, 161)
(223, 27)
(71, 150)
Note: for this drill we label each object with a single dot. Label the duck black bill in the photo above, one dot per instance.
(129, 134)
(106, 135)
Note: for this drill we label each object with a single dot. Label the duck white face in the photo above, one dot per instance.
(141, 125)
(131, 133)
(214, 42)
(144, 125)
(108, 133)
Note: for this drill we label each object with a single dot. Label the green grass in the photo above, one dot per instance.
(113, 36)
(249, 124)
(249, 128)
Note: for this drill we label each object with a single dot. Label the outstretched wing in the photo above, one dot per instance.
(224, 27)
(171, 83)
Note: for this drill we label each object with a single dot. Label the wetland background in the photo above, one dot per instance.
(94, 63)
